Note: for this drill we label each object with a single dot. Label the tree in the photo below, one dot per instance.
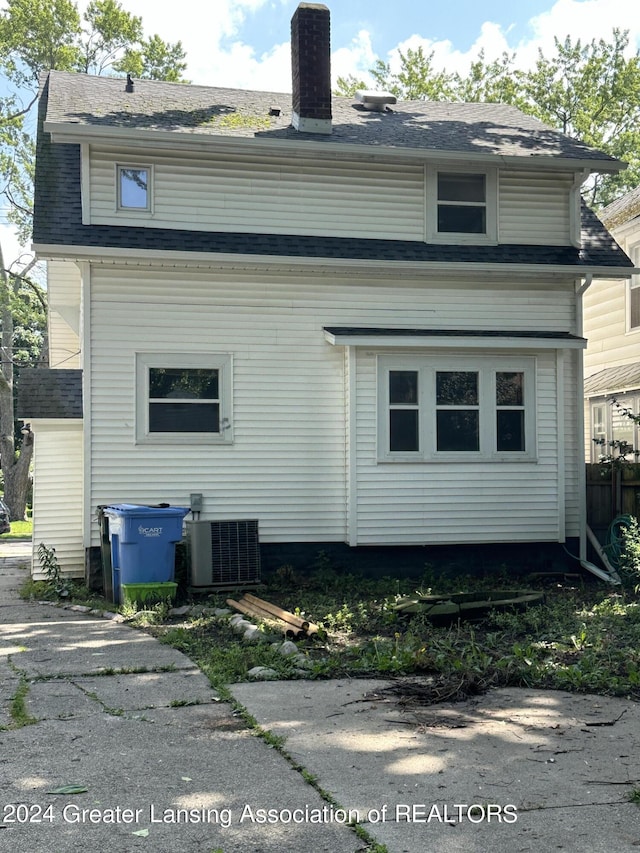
(498, 81)
(417, 79)
(23, 318)
(592, 92)
(349, 85)
(37, 36)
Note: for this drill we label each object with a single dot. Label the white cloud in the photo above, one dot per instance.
(580, 19)
(355, 59)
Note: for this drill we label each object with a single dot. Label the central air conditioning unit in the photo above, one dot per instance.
(222, 554)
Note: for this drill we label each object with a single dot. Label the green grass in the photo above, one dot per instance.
(19, 530)
(20, 717)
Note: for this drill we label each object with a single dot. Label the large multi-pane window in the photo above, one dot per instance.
(439, 408)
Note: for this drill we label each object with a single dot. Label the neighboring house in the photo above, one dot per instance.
(353, 320)
(612, 327)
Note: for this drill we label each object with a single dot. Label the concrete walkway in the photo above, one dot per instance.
(136, 724)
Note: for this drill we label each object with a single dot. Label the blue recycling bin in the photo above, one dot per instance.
(143, 543)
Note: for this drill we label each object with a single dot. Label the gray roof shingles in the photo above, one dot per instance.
(613, 380)
(209, 111)
(48, 393)
(623, 209)
(491, 128)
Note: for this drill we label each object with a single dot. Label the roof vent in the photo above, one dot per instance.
(129, 84)
(274, 111)
(376, 101)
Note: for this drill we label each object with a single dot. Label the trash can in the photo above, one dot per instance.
(105, 554)
(143, 541)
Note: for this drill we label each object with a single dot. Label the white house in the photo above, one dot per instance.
(354, 320)
(612, 326)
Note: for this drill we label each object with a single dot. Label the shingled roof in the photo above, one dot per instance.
(85, 101)
(622, 210)
(613, 380)
(47, 393)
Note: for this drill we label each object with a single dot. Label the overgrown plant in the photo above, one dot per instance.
(629, 561)
(56, 582)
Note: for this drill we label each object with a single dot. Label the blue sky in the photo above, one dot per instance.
(393, 21)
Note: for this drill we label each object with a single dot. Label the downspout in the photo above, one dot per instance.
(608, 574)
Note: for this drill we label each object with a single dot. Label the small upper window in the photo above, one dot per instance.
(134, 192)
(462, 203)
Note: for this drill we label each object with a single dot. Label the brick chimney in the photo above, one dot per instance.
(311, 68)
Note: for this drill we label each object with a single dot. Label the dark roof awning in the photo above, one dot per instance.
(457, 338)
(49, 394)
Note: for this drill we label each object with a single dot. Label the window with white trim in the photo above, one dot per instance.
(633, 293)
(456, 408)
(462, 205)
(134, 187)
(183, 398)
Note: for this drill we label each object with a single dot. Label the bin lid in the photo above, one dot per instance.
(145, 510)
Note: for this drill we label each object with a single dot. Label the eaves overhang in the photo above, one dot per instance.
(161, 139)
(374, 267)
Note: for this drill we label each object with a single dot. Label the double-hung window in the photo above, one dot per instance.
(462, 205)
(183, 399)
(456, 409)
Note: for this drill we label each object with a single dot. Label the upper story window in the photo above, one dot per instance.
(134, 187)
(633, 296)
(462, 205)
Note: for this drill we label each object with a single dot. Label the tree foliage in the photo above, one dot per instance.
(44, 35)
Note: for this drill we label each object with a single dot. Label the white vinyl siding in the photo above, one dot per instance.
(293, 463)
(58, 494)
(534, 208)
(610, 345)
(278, 195)
(63, 294)
(309, 196)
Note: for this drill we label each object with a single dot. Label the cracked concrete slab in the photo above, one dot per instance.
(218, 778)
(59, 699)
(538, 752)
(139, 691)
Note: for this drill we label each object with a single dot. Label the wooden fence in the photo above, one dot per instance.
(612, 492)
